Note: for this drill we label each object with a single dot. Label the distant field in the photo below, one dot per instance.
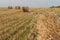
(19, 25)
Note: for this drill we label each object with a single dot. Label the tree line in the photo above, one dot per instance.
(55, 7)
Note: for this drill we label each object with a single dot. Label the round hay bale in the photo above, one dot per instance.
(9, 7)
(25, 9)
(17, 7)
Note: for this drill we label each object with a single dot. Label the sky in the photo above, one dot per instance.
(30, 3)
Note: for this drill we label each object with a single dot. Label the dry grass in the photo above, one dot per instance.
(48, 27)
(38, 24)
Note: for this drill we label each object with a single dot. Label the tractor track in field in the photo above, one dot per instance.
(11, 26)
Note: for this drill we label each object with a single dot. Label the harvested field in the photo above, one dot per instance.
(48, 27)
(39, 24)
